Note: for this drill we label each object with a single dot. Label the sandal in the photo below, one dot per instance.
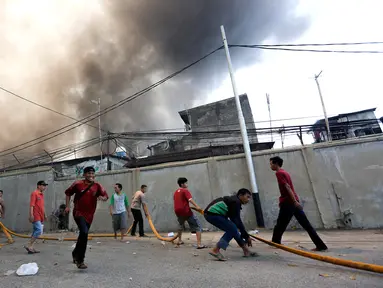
(81, 266)
(218, 256)
(180, 243)
(30, 251)
(202, 247)
(252, 254)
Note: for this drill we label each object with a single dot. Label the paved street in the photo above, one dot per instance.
(148, 263)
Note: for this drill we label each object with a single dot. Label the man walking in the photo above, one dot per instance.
(118, 208)
(182, 197)
(225, 214)
(2, 205)
(138, 201)
(290, 206)
(86, 192)
(36, 215)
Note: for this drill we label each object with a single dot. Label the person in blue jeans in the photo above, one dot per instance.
(225, 214)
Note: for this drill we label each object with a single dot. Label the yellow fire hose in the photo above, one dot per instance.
(328, 259)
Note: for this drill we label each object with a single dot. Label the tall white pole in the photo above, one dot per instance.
(268, 106)
(245, 139)
(329, 138)
(99, 125)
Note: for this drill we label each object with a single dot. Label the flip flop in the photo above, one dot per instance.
(30, 251)
(35, 251)
(202, 247)
(180, 243)
(218, 256)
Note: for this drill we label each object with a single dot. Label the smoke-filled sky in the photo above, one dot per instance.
(62, 54)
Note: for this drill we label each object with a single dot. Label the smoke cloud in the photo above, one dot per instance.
(63, 54)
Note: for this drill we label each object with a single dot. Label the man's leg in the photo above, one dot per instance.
(82, 241)
(115, 225)
(135, 222)
(140, 224)
(286, 212)
(305, 223)
(195, 226)
(181, 222)
(123, 225)
(37, 230)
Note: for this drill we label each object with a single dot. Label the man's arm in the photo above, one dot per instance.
(32, 205)
(194, 204)
(103, 195)
(111, 206)
(292, 196)
(126, 201)
(2, 207)
(145, 209)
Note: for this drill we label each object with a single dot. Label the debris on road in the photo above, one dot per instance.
(324, 275)
(28, 269)
(170, 234)
(292, 265)
(9, 272)
(353, 277)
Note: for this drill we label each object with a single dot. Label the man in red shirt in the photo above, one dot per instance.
(86, 192)
(290, 206)
(36, 215)
(182, 197)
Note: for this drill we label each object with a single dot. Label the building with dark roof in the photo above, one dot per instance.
(347, 125)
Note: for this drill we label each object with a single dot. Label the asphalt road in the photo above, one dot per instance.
(148, 263)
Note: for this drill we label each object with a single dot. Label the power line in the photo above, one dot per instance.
(314, 44)
(149, 88)
(42, 106)
(306, 50)
(105, 110)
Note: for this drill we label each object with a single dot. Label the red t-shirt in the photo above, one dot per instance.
(37, 202)
(181, 202)
(284, 178)
(87, 204)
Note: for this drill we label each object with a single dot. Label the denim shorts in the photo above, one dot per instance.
(37, 229)
(193, 222)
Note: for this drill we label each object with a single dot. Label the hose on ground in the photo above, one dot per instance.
(328, 259)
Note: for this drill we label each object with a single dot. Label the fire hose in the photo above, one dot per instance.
(328, 259)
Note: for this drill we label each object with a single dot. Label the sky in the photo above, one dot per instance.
(80, 51)
(349, 82)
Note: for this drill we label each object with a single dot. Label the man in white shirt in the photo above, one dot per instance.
(138, 201)
(119, 205)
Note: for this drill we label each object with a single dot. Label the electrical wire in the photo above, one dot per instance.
(104, 111)
(44, 107)
(307, 50)
(149, 88)
(317, 44)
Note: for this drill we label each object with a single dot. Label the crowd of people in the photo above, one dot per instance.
(224, 213)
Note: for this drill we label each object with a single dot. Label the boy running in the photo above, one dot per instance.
(36, 215)
(182, 197)
(118, 208)
(225, 214)
(86, 192)
(290, 206)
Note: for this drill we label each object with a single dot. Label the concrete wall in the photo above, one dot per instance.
(340, 184)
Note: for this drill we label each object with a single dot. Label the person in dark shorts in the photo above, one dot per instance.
(86, 192)
(225, 214)
(289, 206)
(139, 200)
(182, 197)
(119, 207)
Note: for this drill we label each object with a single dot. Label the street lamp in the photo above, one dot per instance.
(99, 121)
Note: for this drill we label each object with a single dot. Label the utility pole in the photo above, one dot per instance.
(108, 147)
(245, 139)
(329, 138)
(99, 121)
(268, 105)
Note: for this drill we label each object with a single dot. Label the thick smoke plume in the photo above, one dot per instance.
(63, 54)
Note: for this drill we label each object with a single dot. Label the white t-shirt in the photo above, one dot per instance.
(119, 203)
